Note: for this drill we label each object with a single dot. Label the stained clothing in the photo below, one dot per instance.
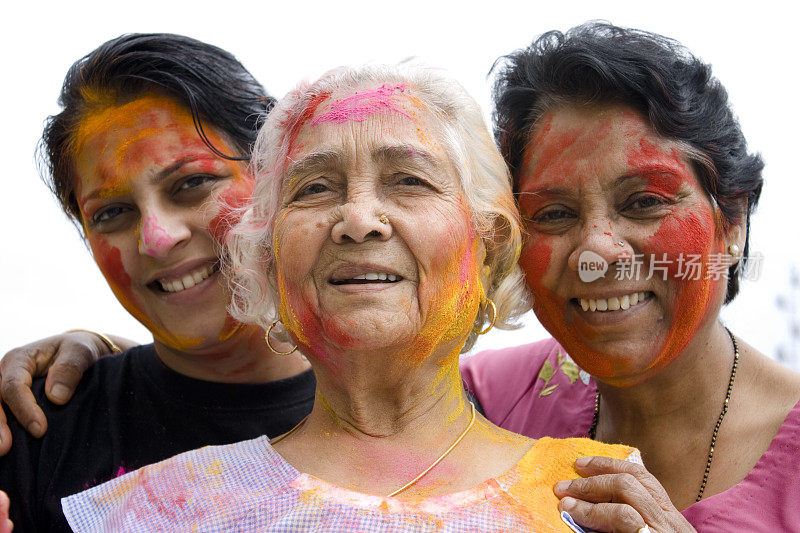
(537, 390)
(248, 486)
(129, 411)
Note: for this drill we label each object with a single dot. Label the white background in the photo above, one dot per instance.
(48, 282)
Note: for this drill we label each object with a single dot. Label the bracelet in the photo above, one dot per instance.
(113, 346)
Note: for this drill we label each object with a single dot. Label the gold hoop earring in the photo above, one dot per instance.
(269, 344)
(491, 322)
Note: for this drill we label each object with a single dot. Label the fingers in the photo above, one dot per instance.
(609, 517)
(618, 496)
(16, 392)
(5, 433)
(6, 525)
(611, 488)
(18, 368)
(65, 373)
(593, 466)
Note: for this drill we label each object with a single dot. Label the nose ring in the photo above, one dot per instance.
(384, 219)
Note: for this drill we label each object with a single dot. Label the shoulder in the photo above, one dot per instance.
(535, 389)
(514, 368)
(189, 486)
(514, 358)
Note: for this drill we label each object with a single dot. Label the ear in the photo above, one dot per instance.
(735, 234)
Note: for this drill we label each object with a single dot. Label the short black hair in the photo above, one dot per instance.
(598, 63)
(209, 81)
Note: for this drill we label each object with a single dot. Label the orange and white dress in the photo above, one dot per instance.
(248, 486)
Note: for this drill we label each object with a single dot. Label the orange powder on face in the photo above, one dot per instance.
(99, 126)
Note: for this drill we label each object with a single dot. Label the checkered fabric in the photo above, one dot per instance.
(249, 487)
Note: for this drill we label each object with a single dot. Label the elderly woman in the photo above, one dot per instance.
(624, 152)
(384, 229)
(146, 158)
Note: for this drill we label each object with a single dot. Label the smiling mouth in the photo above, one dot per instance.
(616, 303)
(187, 281)
(370, 277)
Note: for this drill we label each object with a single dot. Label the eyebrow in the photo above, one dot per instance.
(401, 154)
(404, 154)
(545, 191)
(158, 178)
(323, 159)
(166, 171)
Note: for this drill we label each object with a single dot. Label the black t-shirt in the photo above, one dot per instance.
(131, 410)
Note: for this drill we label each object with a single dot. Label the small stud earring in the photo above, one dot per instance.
(384, 219)
(733, 250)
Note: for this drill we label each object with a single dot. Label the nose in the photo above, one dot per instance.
(599, 237)
(359, 222)
(159, 233)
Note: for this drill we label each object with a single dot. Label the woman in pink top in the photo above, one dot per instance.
(636, 187)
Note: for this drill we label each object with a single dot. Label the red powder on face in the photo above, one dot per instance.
(109, 259)
(304, 117)
(231, 201)
(692, 234)
(360, 106)
(566, 157)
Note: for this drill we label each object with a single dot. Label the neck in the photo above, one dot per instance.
(683, 396)
(389, 409)
(243, 358)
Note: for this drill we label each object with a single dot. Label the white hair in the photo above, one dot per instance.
(484, 176)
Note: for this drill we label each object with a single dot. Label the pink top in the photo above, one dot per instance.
(535, 390)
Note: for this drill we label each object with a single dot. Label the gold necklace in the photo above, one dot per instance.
(422, 474)
(593, 428)
(441, 457)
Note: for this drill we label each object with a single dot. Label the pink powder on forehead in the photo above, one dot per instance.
(360, 106)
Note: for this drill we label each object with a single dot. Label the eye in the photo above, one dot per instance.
(414, 181)
(192, 183)
(647, 203)
(553, 218)
(311, 189)
(553, 215)
(108, 214)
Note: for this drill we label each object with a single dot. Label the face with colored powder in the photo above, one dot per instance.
(374, 246)
(599, 186)
(155, 200)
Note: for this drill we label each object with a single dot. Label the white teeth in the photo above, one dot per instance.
(375, 276)
(188, 281)
(612, 304)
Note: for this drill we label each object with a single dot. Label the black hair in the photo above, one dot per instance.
(209, 81)
(598, 63)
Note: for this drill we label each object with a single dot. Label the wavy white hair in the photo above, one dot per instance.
(484, 178)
